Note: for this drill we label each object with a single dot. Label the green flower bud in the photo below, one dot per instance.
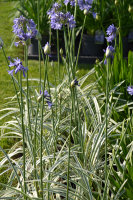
(108, 52)
(60, 96)
(39, 99)
(118, 30)
(52, 63)
(74, 83)
(40, 192)
(130, 9)
(38, 36)
(47, 49)
(86, 12)
(116, 2)
(61, 51)
(97, 61)
(98, 18)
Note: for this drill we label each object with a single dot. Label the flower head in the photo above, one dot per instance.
(46, 96)
(74, 83)
(24, 28)
(47, 49)
(72, 2)
(1, 43)
(85, 4)
(55, 8)
(111, 32)
(58, 18)
(130, 90)
(17, 67)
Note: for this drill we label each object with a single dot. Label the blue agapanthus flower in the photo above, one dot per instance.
(17, 67)
(72, 2)
(111, 32)
(85, 4)
(55, 8)
(58, 18)
(47, 97)
(130, 90)
(109, 53)
(24, 28)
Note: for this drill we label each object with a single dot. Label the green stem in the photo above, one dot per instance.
(58, 55)
(69, 146)
(23, 132)
(35, 149)
(106, 118)
(41, 164)
(80, 42)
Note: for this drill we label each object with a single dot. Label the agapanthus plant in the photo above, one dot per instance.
(58, 18)
(46, 96)
(17, 66)
(111, 32)
(25, 29)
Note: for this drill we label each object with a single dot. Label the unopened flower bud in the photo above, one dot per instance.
(39, 99)
(52, 63)
(98, 18)
(47, 49)
(86, 12)
(116, 2)
(108, 53)
(117, 31)
(38, 36)
(40, 192)
(97, 61)
(10, 59)
(28, 42)
(74, 83)
(60, 96)
(61, 51)
(1, 43)
(130, 9)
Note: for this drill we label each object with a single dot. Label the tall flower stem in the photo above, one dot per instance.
(106, 114)
(69, 146)
(36, 184)
(27, 82)
(23, 132)
(39, 46)
(58, 54)
(80, 42)
(41, 164)
(73, 41)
